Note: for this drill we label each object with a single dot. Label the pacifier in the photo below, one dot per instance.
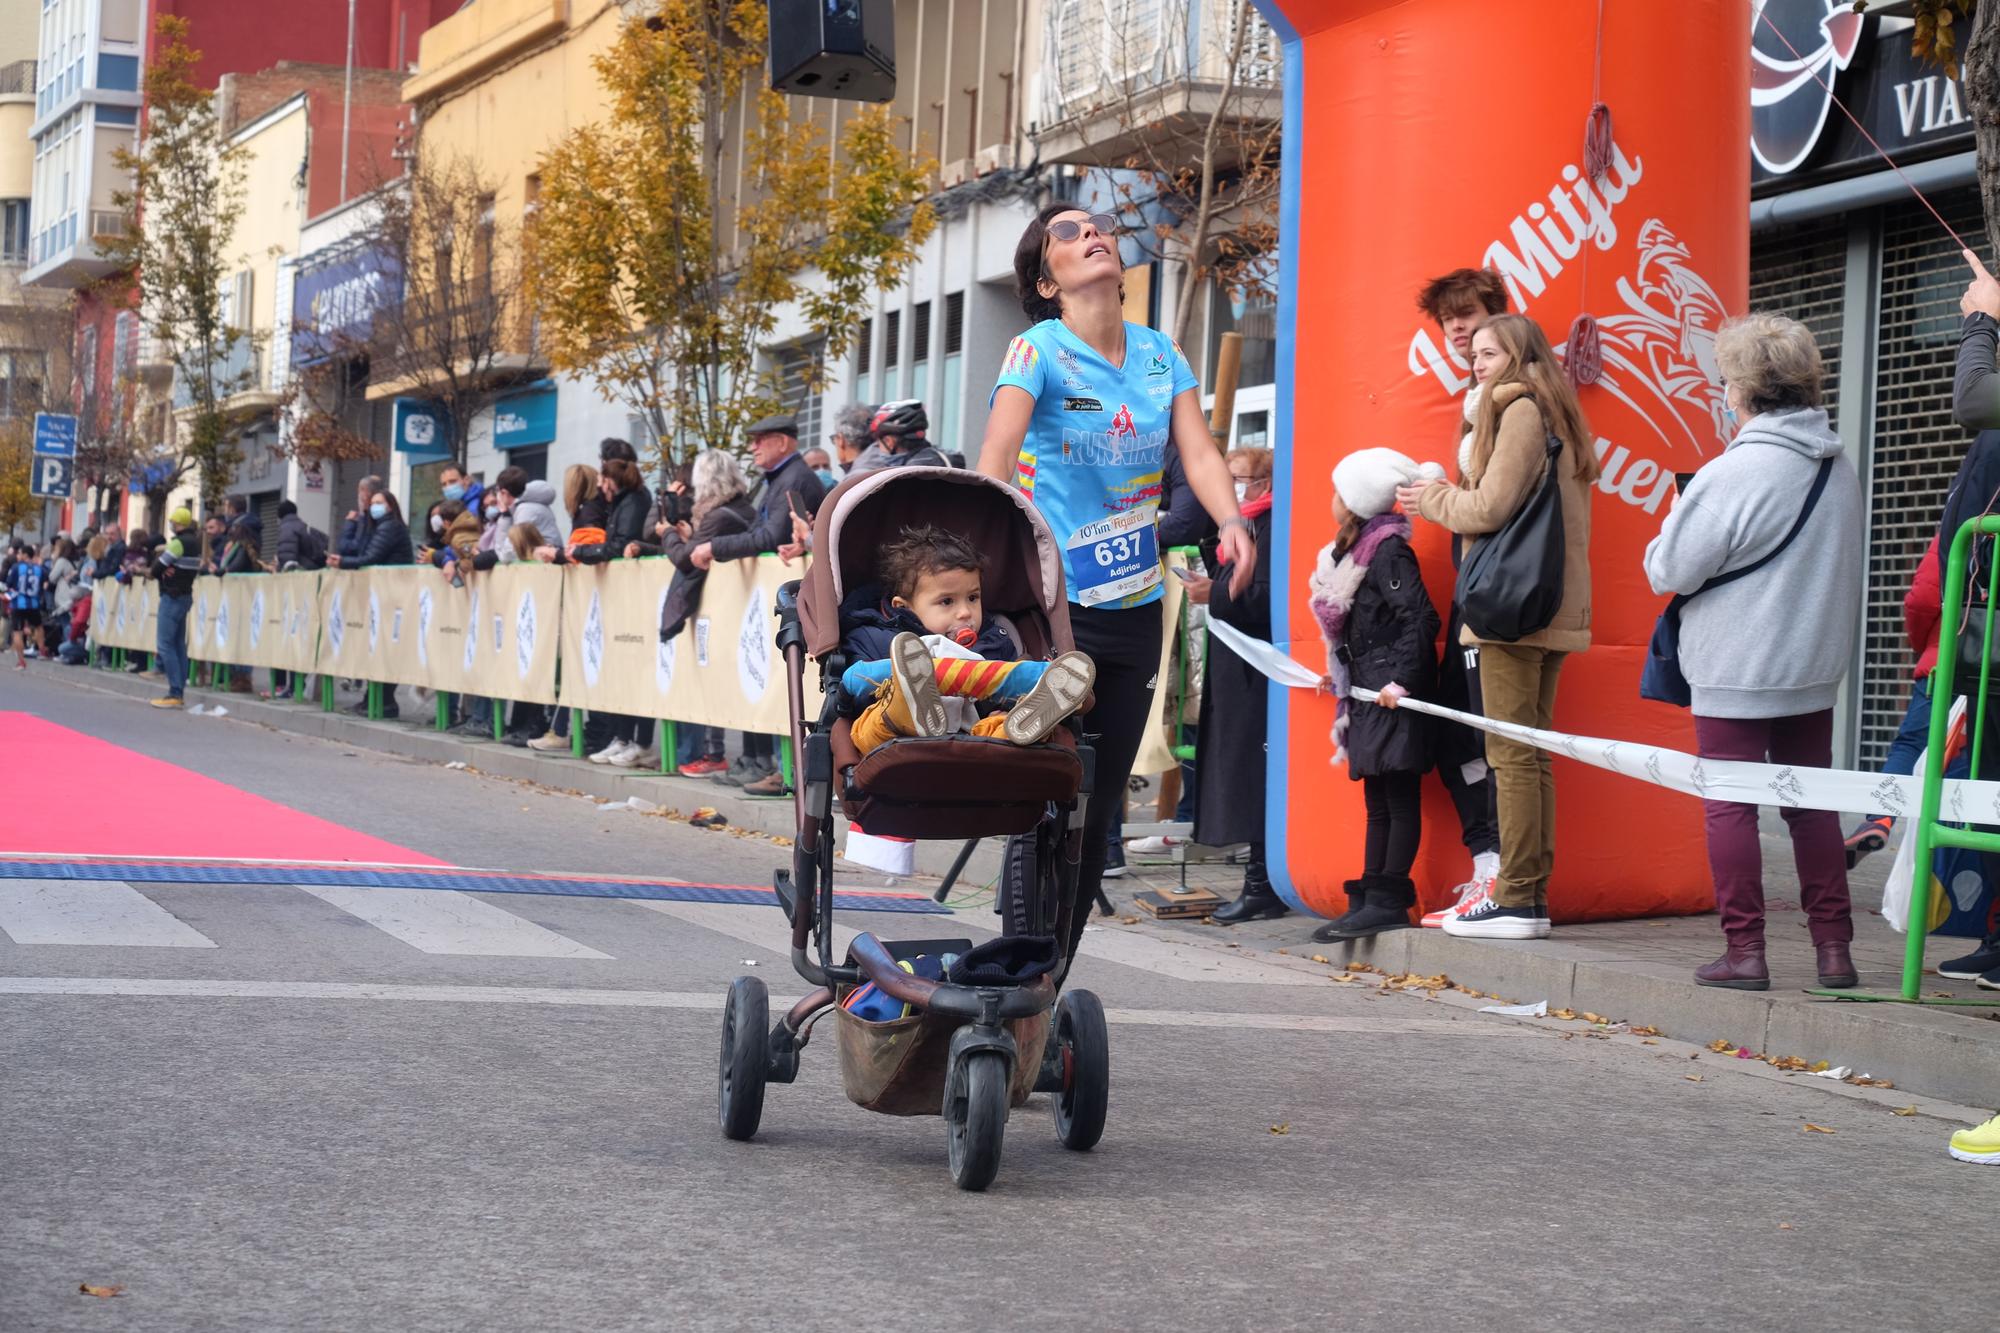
(965, 637)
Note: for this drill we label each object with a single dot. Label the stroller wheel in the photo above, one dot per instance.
(1083, 1044)
(740, 1090)
(975, 1118)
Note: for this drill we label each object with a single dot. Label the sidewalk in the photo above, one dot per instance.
(1640, 972)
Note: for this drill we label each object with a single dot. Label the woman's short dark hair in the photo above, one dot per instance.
(624, 475)
(612, 447)
(1031, 263)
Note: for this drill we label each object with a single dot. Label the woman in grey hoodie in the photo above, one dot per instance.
(1764, 656)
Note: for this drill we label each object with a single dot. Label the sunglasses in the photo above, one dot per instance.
(1068, 229)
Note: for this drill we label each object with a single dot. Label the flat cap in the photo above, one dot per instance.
(782, 424)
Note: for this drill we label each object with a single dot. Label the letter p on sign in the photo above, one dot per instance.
(49, 477)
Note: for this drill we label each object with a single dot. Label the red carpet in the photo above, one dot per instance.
(75, 795)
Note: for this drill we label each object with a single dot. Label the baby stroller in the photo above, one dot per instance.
(981, 1038)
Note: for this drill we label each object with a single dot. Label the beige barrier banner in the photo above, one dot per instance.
(132, 617)
(103, 612)
(722, 670)
(344, 624)
(256, 620)
(514, 623)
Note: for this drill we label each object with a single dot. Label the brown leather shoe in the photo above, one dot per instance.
(1836, 967)
(1736, 970)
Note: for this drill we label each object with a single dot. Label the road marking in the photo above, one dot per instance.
(446, 921)
(128, 987)
(767, 931)
(61, 911)
(1189, 962)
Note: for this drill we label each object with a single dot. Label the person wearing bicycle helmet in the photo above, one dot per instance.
(900, 428)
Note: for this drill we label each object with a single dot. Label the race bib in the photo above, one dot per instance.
(1114, 558)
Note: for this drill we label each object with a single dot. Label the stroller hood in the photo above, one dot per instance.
(1023, 578)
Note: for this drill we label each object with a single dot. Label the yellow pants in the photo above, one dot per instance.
(874, 726)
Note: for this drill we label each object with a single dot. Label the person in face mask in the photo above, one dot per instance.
(457, 486)
(388, 540)
(822, 466)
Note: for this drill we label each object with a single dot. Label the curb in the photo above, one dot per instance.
(556, 771)
(1942, 1053)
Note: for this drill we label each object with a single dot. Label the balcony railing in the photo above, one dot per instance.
(1102, 53)
(17, 78)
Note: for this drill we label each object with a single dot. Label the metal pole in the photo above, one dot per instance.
(347, 102)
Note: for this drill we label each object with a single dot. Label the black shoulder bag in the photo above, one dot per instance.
(1662, 680)
(1511, 584)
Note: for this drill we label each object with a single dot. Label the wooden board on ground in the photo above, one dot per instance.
(1171, 905)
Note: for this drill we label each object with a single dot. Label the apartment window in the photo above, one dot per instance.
(864, 364)
(948, 385)
(892, 347)
(1254, 314)
(21, 374)
(13, 231)
(242, 298)
(920, 349)
(86, 362)
(797, 370)
(124, 344)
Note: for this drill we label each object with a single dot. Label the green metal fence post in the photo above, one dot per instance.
(670, 748)
(576, 733)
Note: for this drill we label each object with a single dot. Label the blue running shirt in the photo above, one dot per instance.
(1092, 457)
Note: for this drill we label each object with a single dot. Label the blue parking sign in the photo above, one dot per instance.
(55, 433)
(49, 476)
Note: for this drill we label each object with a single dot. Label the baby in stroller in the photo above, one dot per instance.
(927, 659)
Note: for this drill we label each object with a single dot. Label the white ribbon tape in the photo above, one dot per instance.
(1837, 789)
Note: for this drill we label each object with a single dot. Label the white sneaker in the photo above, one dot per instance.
(609, 753)
(549, 741)
(1470, 894)
(1154, 846)
(634, 757)
(1490, 921)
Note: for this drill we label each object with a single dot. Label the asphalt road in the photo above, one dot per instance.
(345, 1111)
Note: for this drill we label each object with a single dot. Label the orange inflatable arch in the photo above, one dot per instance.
(1431, 134)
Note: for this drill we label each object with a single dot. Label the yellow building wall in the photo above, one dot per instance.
(17, 151)
(506, 111)
(269, 228)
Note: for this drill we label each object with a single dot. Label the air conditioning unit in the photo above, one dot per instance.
(106, 224)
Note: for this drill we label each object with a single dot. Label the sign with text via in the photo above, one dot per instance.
(55, 434)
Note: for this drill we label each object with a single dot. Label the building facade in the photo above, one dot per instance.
(1838, 240)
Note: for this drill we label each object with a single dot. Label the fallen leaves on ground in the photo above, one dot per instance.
(1864, 1081)
(1904, 1110)
(1786, 1226)
(1322, 958)
(104, 1293)
(1692, 1078)
(1722, 1047)
(1648, 1041)
(1811, 1128)
(1133, 921)
(1285, 1128)
(1643, 1030)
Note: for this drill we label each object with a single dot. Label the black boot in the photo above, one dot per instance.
(1389, 899)
(1357, 899)
(1258, 902)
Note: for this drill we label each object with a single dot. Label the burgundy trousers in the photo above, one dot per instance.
(1735, 856)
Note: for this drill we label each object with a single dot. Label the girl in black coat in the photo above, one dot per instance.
(1381, 634)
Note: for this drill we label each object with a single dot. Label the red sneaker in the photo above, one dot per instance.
(702, 768)
(1470, 894)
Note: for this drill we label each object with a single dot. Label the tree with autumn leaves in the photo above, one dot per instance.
(188, 192)
(651, 275)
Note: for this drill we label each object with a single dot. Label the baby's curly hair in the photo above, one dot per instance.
(925, 550)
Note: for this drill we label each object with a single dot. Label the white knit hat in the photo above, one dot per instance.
(1367, 479)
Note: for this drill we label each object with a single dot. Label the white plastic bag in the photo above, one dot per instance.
(1902, 873)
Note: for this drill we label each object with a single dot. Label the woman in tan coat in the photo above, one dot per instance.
(1525, 400)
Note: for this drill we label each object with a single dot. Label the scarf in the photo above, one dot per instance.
(1336, 579)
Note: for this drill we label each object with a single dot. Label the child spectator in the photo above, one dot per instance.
(1381, 634)
(24, 588)
(932, 610)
